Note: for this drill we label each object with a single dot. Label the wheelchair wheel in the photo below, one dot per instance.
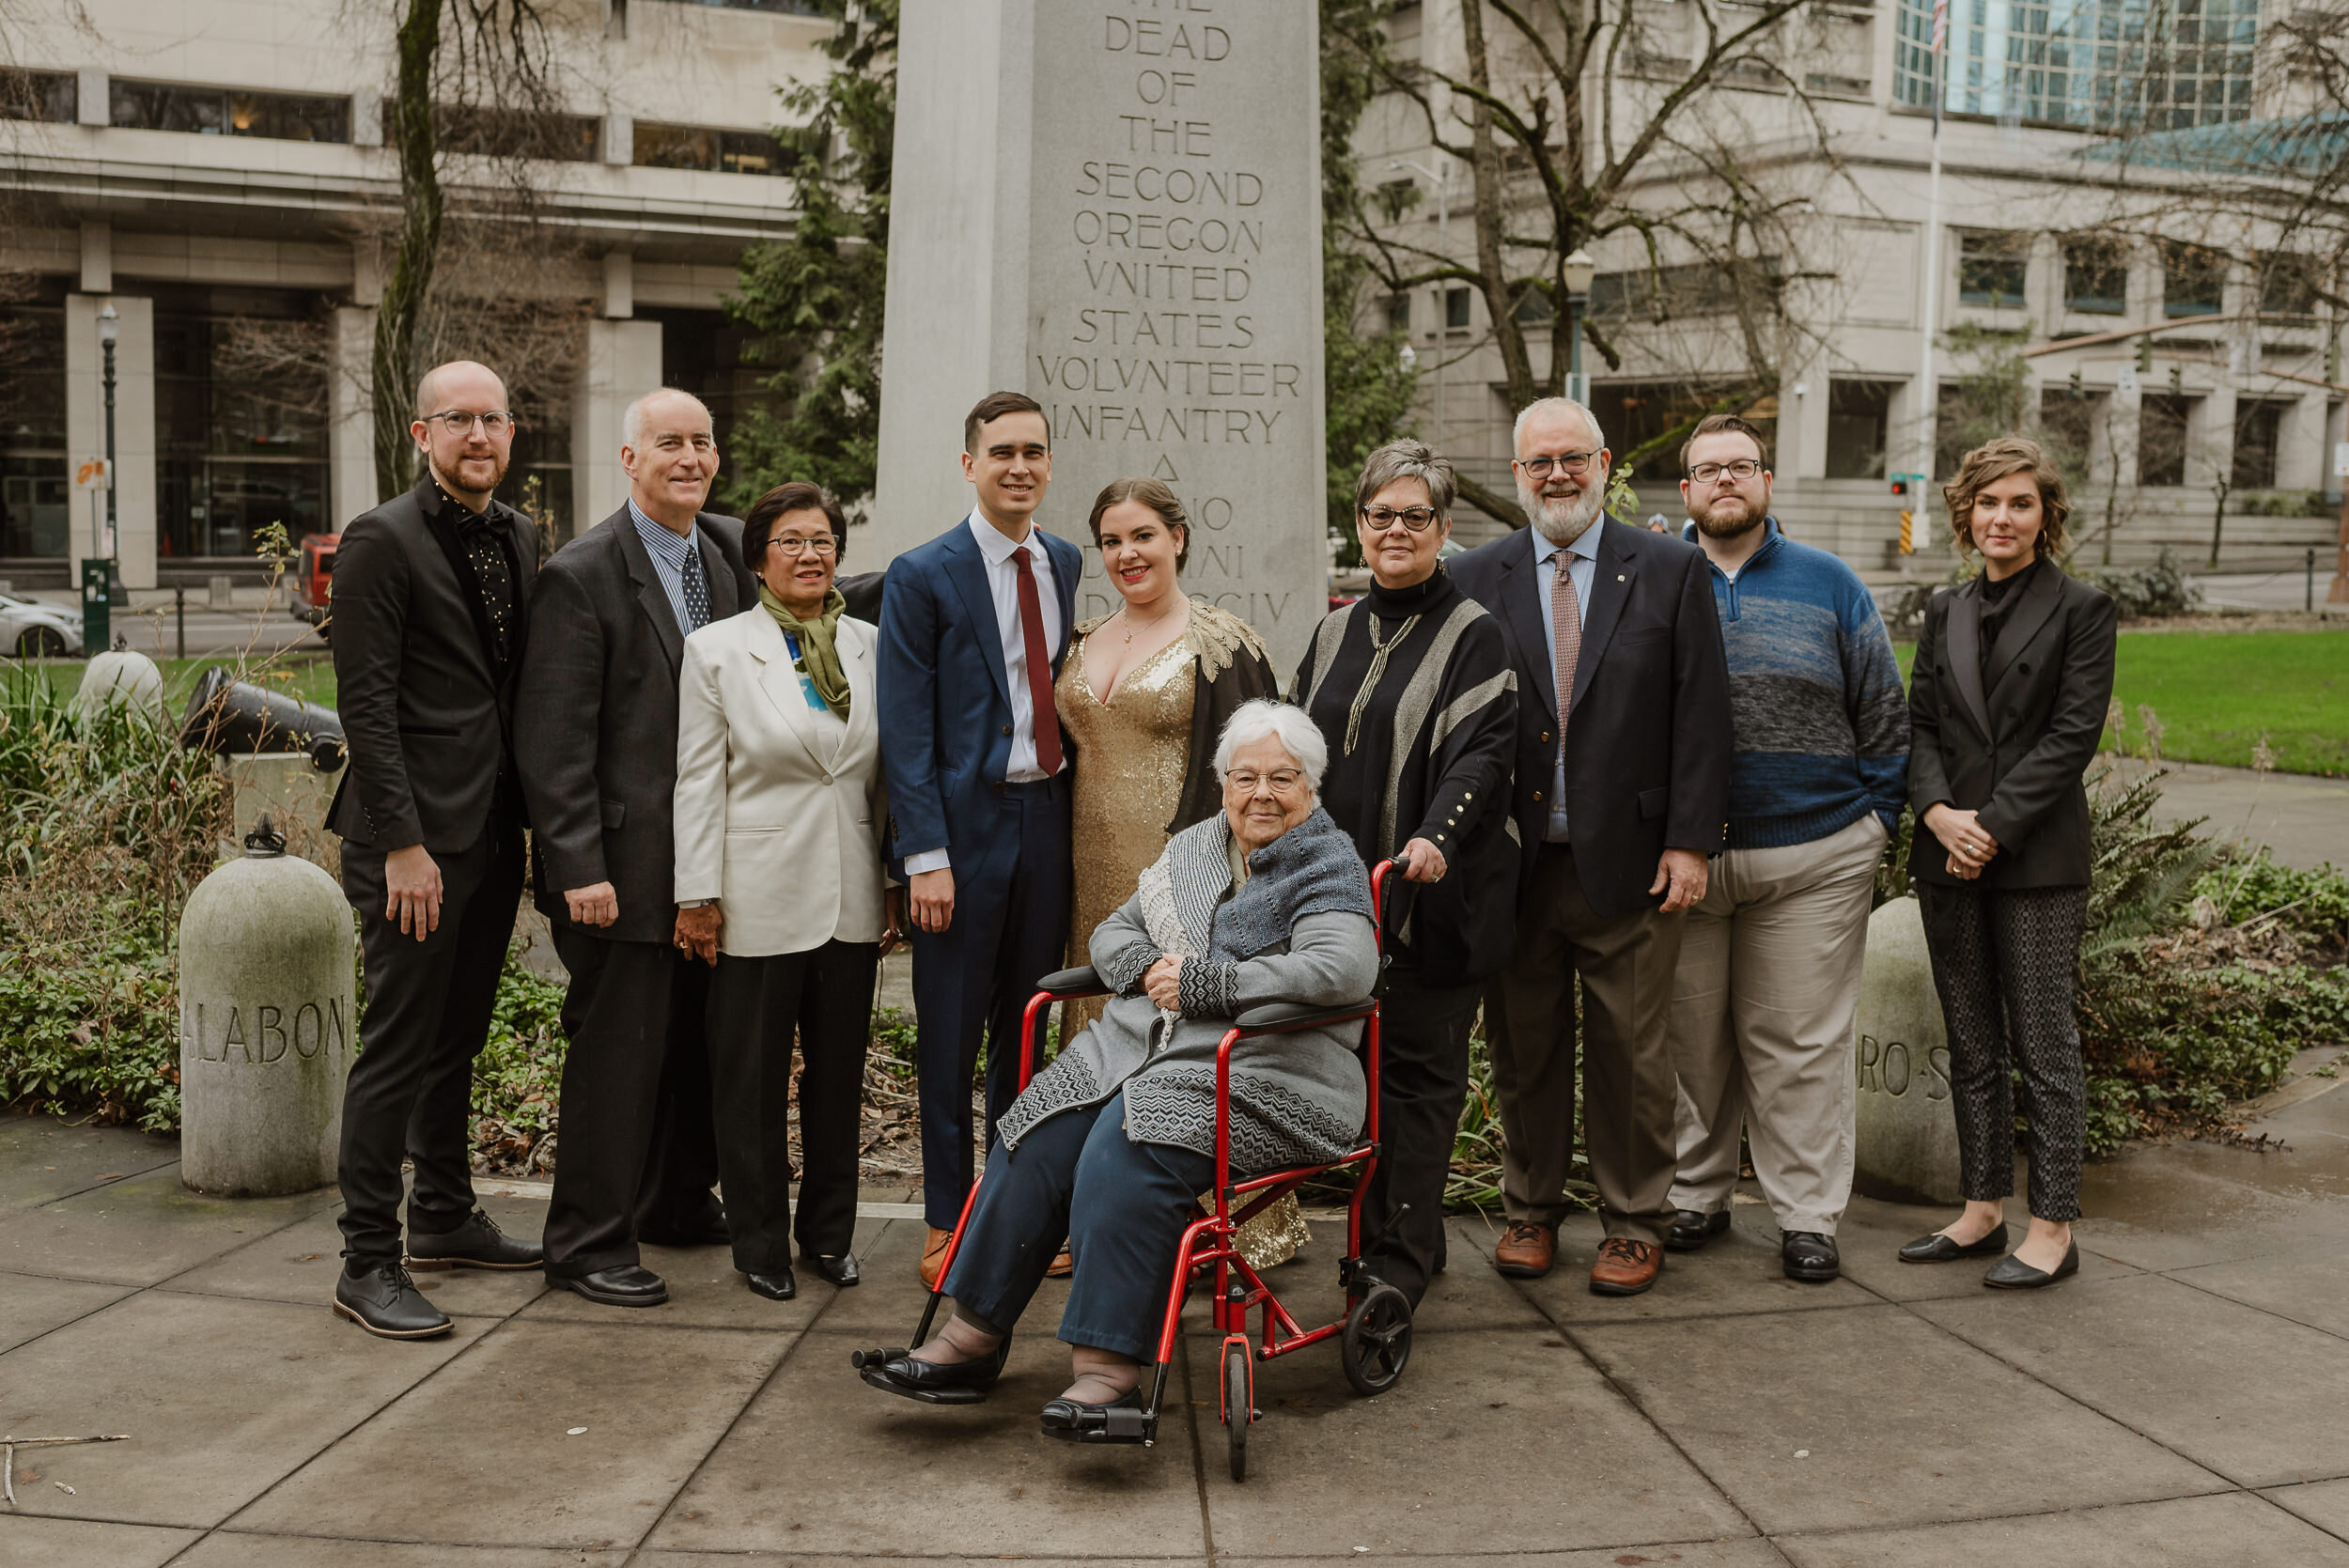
(1239, 1408)
(1376, 1343)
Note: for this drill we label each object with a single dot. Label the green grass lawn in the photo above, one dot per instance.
(305, 675)
(2217, 692)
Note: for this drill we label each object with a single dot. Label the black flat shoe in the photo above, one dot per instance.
(626, 1286)
(841, 1271)
(1937, 1247)
(775, 1287)
(475, 1243)
(1809, 1256)
(383, 1300)
(2013, 1273)
(955, 1383)
(1691, 1230)
(1120, 1420)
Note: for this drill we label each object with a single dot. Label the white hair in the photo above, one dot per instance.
(632, 422)
(1286, 723)
(1551, 405)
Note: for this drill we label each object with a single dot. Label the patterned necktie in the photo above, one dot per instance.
(696, 588)
(1046, 717)
(1565, 624)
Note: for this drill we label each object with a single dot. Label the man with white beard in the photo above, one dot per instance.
(1621, 797)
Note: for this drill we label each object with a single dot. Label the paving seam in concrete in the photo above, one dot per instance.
(2059, 1511)
(1615, 1384)
(2278, 1502)
(97, 1186)
(1199, 1457)
(2329, 1333)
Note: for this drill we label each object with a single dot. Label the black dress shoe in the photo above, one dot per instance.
(383, 1299)
(2013, 1273)
(1808, 1255)
(841, 1271)
(1691, 1230)
(1120, 1420)
(775, 1287)
(955, 1383)
(1937, 1247)
(710, 1231)
(627, 1285)
(475, 1243)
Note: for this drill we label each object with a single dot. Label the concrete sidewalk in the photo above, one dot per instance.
(2301, 818)
(2179, 1402)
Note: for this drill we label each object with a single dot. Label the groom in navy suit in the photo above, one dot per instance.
(974, 625)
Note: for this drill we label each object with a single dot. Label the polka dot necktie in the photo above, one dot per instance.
(696, 590)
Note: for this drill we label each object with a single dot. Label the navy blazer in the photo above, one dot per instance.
(945, 696)
(1648, 754)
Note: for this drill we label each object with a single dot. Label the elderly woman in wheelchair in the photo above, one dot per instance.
(1110, 1145)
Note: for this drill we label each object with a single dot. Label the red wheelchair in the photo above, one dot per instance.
(1375, 1334)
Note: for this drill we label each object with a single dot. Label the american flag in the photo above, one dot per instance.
(1941, 25)
(1933, 66)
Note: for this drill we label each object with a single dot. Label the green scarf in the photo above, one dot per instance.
(819, 657)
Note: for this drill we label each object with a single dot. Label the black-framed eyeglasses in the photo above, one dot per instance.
(1565, 462)
(1416, 518)
(1741, 471)
(794, 545)
(496, 422)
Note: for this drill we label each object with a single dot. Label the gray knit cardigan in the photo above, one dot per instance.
(1298, 931)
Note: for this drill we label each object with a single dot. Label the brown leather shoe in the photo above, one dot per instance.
(1063, 1267)
(1626, 1267)
(934, 1253)
(1526, 1249)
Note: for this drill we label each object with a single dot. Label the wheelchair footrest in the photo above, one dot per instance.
(862, 1358)
(1117, 1424)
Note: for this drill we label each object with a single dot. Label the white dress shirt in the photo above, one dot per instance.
(1002, 584)
(1582, 567)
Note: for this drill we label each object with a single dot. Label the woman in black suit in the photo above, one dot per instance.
(2013, 677)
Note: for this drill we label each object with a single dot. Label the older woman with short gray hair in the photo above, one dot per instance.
(1265, 903)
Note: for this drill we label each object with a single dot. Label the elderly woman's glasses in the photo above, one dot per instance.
(458, 423)
(1416, 518)
(792, 544)
(1565, 462)
(1741, 471)
(1287, 781)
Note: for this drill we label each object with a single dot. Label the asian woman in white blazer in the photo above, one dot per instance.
(781, 883)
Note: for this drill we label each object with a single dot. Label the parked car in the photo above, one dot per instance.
(314, 579)
(31, 629)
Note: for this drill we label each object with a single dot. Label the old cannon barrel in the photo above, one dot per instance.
(226, 716)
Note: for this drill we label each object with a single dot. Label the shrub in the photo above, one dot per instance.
(2145, 593)
(2257, 890)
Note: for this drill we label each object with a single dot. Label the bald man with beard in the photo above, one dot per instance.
(1621, 797)
(430, 615)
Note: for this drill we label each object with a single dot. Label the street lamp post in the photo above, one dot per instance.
(1580, 269)
(1443, 248)
(109, 327)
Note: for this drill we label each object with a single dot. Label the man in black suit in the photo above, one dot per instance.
(1617, 820)
(595, 734)
(430, 615)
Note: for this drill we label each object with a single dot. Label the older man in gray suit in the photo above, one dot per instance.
(596, 736)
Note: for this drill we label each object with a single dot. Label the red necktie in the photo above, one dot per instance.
(1040, 668)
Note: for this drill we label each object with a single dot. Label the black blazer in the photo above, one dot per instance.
(596, 719)
(428, 720)
(2012, 741)
(1648, 767)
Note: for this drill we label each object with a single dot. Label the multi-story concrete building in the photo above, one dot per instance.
(2038, 240)
(217, 174)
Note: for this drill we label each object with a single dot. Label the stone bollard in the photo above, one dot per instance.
(265, 977)
(1907, 1130)
(119, 679)
(220, 592)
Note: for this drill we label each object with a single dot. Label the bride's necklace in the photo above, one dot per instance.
(1131, 629)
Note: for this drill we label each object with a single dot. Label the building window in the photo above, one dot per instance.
(780, 8)
(1534, 308)
(2193, 280)
(1991, 269)
(487, 132)
(538, 472)
(54, 96)
(1398, 312)
(695, 146)
(2110, 65)
(2289, 283)
(2095, 277)
(1692, 288)
(1456, 309)
(702, 352)
(1858, 419)
(1827, 85)
(35, 487)
(2258, 426)
(2161, 439)
(242, 396)
(224, 112)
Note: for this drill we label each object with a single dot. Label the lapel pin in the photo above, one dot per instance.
(1619, 576)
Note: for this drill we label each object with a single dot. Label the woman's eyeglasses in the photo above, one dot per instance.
(792, 544)
(1416, 518)
(1285, 781)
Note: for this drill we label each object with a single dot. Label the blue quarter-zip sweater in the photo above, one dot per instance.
(1814, 695)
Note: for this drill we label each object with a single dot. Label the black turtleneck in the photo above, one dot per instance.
(1998, 601)
(1394, 604)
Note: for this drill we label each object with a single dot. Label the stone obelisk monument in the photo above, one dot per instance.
(1115, 206)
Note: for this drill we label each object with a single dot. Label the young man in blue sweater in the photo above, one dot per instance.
(1767, 982)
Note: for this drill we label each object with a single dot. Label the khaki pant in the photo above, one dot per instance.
(1626, 965)
(1762, 1015)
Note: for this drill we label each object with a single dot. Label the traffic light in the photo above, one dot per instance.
(2145, 356)
(2075, 381)
(2177, 378)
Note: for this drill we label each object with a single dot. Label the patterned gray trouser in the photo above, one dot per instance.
(2004, 964)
